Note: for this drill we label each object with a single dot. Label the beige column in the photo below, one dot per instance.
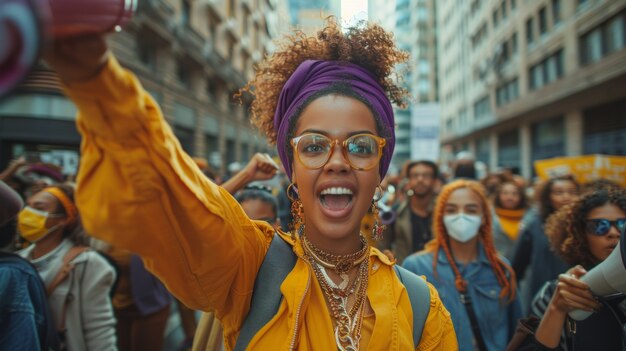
(493, 151)
(525, 150)
(574, 133)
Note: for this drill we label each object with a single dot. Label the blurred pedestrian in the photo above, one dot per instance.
(533, 255)
(584, 234)
(476, 285)
(141, 304)
(25, 322)
(411, 229)
(510, 208)
(78, 281)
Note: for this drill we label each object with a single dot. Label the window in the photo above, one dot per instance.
(503, 10)
(147, 54)
(543, 21)
(547, 71)
(482, 108)
(615, 34)
(422, 14)
(513, 5)
(507, 92)
(509, 150)
(495, 18)
(514, 44)
(185, 13)
(556, 11)
(424, 86)
(529, 31)
(184, 77)
(424, 66)
(603, 40)
(547, 139)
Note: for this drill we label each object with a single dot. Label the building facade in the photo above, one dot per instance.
(191, 55)
(413, 24)
(309, 15)
(521, 80)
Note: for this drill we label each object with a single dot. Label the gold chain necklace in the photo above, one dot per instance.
(340, 263)
(348, 324)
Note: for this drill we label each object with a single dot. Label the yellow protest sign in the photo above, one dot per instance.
(585, 168)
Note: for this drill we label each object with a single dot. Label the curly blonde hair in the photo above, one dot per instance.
(366, 45)
(566, 228)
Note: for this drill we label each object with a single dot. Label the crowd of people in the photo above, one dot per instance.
(276, 256)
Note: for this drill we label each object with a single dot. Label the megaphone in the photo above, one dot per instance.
(607, 278)
(26, 25)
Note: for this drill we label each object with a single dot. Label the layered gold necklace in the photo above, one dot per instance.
(348, 322)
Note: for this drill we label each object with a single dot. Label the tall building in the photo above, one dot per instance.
(413, 23)
(192, 56)
(309, 15)
(521, 81)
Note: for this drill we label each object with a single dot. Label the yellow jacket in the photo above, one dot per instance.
(138, 190)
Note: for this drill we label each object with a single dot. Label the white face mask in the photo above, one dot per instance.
(462, 227)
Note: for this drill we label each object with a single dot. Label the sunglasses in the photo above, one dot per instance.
(602, 226)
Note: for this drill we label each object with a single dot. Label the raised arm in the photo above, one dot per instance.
(139, 191)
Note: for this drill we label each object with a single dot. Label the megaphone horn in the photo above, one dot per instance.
(606, 278)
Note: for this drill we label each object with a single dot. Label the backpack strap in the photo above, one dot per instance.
(67, 267)
(266, 296)
(277, 264)
(419, 295)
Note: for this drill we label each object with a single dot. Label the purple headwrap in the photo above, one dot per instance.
(314, 75)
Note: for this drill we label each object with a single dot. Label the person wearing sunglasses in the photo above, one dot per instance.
(326, 102)
(584, 234)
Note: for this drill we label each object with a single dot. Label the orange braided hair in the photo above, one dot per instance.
(509, 286)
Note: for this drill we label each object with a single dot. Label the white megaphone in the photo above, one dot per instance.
(609, 277)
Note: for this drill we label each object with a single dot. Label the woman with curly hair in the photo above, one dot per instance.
(476, 285)
(532, 258)
(325, 101)
(584, 234)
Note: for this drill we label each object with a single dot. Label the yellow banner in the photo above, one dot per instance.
(584, 168)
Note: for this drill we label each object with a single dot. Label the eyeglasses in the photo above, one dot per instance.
(602, 226)
(363, 151)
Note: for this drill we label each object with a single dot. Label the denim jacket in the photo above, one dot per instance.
(25, 322)
(497, 320)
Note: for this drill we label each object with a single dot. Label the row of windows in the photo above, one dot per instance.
(540, 25)
(603, 40)
(507, 92)
(501, 12)
(508, 50)
(480, 35)
(547, 71)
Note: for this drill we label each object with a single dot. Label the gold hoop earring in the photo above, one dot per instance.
(292, 189)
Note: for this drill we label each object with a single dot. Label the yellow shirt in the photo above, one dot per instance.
(139, 191)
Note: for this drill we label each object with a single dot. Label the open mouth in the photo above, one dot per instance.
(336, 198)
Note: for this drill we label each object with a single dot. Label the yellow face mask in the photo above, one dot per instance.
(31, 224)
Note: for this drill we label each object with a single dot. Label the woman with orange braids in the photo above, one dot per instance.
(326, 102)
(475, 285)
